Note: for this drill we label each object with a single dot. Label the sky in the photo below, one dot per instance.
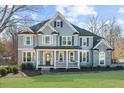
(78, 14)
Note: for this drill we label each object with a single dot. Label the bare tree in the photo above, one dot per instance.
(7, 14)
(96, 25)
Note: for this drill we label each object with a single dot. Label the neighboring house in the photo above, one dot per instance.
(56, 43)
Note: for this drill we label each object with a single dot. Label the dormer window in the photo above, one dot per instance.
(58, 23)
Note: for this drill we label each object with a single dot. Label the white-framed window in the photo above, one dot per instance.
(47, 39)
(28, 40)
(28, 56)
(71, 56)
(84, 41)
(61, 56)
(66, 40)
(102, 58)
(84, 56)
(58, 23)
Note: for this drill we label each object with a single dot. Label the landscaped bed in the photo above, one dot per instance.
(68, 79)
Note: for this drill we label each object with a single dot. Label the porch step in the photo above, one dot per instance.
(45, 70)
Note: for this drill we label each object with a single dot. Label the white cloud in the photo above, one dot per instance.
(16, 16)
(83, 25)
(120, 21)
(72, 12)
(33, 16)
(107, 22)
(121, 10)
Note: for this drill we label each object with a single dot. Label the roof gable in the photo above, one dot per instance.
(102, 41)
(44, 26)
(26, 30)
(58, 14)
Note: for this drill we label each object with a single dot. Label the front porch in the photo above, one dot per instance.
(62, 58)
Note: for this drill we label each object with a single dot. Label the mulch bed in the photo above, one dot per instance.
(31, 72)
(23, 73)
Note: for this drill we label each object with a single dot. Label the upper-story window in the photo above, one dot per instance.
(28, 40)
(47, 39)
(58, 23)
(66, 40)
(84, 42)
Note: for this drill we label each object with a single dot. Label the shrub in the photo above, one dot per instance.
(30, 66)
(15, 70)
(3, 71)
(119, 67)
(23, 66)
(9, 69)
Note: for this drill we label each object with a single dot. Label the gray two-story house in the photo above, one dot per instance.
(56, 43)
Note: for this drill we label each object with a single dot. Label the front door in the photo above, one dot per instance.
(48, 59)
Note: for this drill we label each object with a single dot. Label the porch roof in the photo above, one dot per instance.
(57, 47)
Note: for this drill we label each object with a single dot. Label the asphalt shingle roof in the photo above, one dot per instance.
(82, 32)
(36, 27)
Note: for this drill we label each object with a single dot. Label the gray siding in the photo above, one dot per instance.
(90, 44)
(21, 42)
(19, 57)
(101, 47)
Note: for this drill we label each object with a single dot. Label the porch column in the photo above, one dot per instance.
(36, 59)
(79, 59)
(66, 59)
(54, 59)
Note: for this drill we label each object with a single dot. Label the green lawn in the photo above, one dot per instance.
(101, 79)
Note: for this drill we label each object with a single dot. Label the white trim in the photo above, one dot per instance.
(26, 34)
(86, 36)
(104, 58)
(59, 57)
(27, 29)
(54, 59)
(32, 61)
(24, 40)
(43, 39)
(51, 58)
(105, 42)
(78, 59)
(59, 14)
(85, 42)
(37, 59)
(85, 51)
(66, 40)
(58, 20)
(44, 26)
(73, 57)
(26, 49)
(67, 59)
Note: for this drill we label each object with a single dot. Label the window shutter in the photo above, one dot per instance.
(60, 40)
(80, 41)
(80, 56)
(72, 40)
(54, 23)
(87, 56)
(61, 24)
(87, 41)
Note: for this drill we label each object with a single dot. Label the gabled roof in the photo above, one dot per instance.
(36, 27)
(96, 40)
(81, 31)
(105, 42)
